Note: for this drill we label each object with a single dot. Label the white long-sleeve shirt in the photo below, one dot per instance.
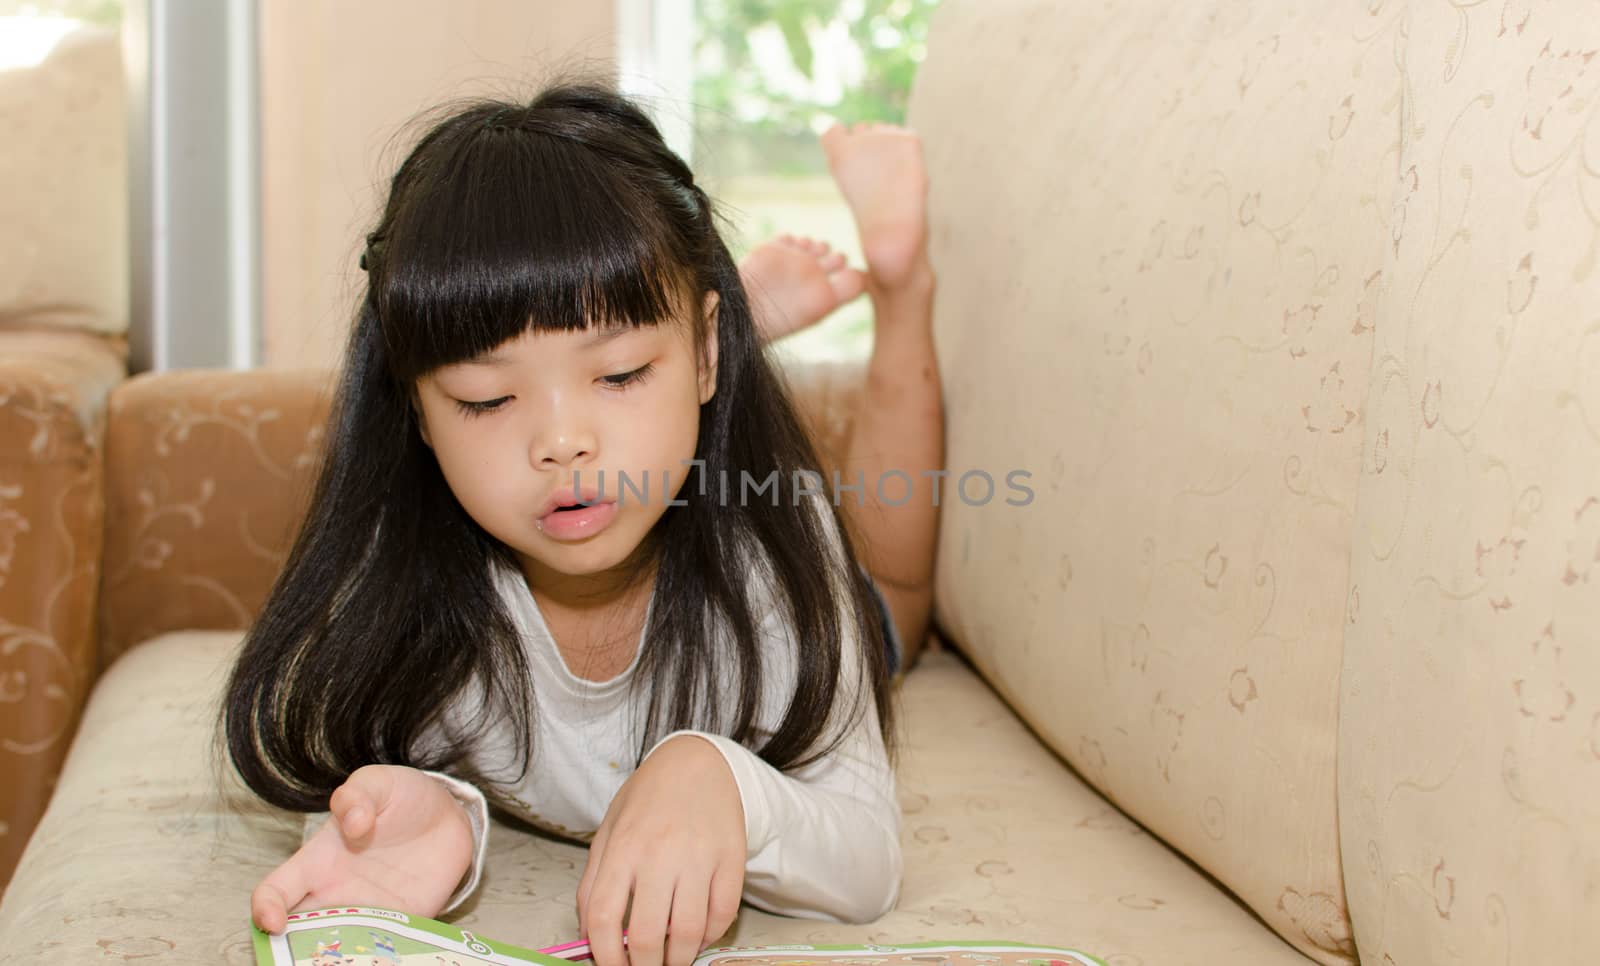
(822, 842)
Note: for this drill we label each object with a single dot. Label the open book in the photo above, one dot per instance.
(380, 937)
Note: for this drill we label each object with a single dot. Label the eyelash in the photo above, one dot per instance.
(625, 381)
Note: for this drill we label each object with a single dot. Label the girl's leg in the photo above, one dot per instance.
(879, 169)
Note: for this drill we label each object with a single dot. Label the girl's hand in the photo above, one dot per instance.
(396, 839)
(673, 838)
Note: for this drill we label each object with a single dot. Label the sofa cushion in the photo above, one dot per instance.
(1159, 231)
(64, 188)
(137, 858)
(1469, 759)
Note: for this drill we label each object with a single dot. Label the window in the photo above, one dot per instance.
(30, 29)
(768, 77)
(107, 13)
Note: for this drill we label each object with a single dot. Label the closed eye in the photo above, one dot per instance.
(619, 381)
(478, 408)
(626, 379)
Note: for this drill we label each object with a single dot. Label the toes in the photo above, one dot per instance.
(847, 283)
(831, 262)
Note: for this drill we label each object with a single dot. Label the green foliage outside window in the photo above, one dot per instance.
(746, 121)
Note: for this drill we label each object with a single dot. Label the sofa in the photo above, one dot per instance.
(1290, 314)
(63, 348)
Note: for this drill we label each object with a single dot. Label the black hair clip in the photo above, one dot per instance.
(373, 241)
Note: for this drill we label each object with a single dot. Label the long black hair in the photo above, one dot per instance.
(554, 215)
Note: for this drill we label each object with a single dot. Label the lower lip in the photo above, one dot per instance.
(577, 524)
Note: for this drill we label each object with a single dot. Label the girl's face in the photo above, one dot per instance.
(555, 410)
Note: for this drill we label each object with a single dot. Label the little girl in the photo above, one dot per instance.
(570, 549)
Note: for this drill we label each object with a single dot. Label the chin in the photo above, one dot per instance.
(595, 555)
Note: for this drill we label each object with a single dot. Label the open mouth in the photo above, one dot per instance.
(568, 507)
(578, 521)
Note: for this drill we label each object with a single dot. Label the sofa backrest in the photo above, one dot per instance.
(1161, 234)
(1469, 753)
(64, 188)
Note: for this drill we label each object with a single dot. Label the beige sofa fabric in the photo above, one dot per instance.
(135, 860)
(207, 475)
(1159, 233)
(63, 207)
(1470, 739)
(53, 388)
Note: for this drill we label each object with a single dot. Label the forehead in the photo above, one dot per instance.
(581, 342)
(587, 339)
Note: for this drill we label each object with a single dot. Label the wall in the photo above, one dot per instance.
(339, 82)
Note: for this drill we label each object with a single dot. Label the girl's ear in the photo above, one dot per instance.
(708, 372)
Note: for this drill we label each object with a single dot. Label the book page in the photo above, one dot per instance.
(916, 954)
(381, 937)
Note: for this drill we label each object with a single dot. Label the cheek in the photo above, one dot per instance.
(469, 468)
(677, 426)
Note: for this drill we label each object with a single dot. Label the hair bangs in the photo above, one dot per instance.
(509, 230)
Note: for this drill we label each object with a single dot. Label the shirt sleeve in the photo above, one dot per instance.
(477, 808)
(823, 841)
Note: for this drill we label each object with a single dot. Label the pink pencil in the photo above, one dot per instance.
(576, 951)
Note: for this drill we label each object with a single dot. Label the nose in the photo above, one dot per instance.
(564, 438)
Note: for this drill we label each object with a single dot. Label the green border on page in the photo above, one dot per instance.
(441, 937)
(275, 950)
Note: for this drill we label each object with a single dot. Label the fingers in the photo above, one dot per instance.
(608, 901)
(652, 941)
(278, 893)
(727, 885)
(269, 910)
(357, 803)
(586, 884)
(647, 921)
(687, 934)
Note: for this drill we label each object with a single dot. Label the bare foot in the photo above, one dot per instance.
(795, 282)
(879, 169)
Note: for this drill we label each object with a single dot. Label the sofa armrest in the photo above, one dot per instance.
(53, 391)
(828, 395)
(208, 473)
